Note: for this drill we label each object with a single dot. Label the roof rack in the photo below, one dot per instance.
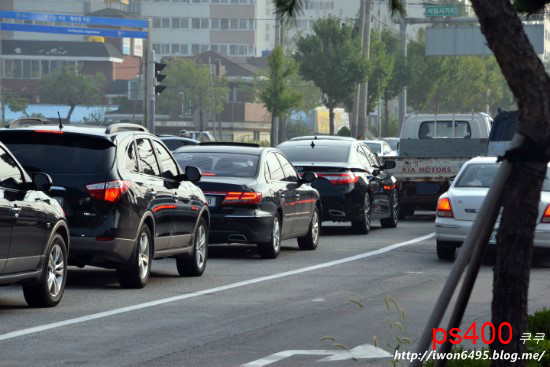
(221, 143)
(115, 128)
(29, 121)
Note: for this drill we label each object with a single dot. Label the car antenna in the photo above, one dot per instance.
(312, 144)
(60, 123)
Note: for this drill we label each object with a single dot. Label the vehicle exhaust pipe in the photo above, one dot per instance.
(336, 213)
(237, 238)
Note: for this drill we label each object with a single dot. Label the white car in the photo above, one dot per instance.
(458, 207)
(380, 147)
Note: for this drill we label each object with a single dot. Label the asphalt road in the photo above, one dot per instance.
(245, 309)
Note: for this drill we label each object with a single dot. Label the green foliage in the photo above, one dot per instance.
(296, 128)
(381, 68)
(190, 83)
(311, 94)
(70, 87)
(344, 132)
(15, 101)
(539, 322)
(275, 92)
(331, 58)
(542, 346)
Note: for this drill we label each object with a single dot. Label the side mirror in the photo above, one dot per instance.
(42, 181)
(375, 172)
(193, 173)
(388, 165)
(309, 177)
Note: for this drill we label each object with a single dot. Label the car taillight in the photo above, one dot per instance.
(110, 191)
(242, 198)
(444, 208)
(49, 131)
(546, 215)
(339, 178)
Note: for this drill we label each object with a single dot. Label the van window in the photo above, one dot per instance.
(444, 130)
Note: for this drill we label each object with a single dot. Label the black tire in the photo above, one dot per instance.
(271, 249)
(446, 250)
(406, 211)
(54, 270)
(392, 221)
(362, 226)
(137, 273)
(311, 240)
(195, 265)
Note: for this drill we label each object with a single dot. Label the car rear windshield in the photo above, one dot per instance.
(220, 164)
(319, 153)
(374, 147)
(483, 175)
(61, 154)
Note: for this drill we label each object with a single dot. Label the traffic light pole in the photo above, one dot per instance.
(149, 82)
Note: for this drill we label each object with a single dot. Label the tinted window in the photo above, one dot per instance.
(166, 162)
(130, 162)
(60, 154)
(444, 129)
(173, 144)
(10, 174)
(220, 164)
(275, 169)
(147, 161)
(326, 153)
(375, 147)
(288, 169)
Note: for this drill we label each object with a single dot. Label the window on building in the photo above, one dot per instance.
(156, 22)
(195, 49)
(243, 24)
(195, 23)
(156, 47)
(165, 22)
(205, 23)
(45, 67)
(176, 23)
(223, 49)
(184, 23)
(184, 49)
(234, 23)
(214, 48)
(35, 69)
(233, 50)
(204, 48)
(165, 48)
(215, 23)
(224, 23)
(175, 48)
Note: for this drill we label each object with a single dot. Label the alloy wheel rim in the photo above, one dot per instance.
(395, 206)
(143, 257)
(200, 250)
(367, 212)
(56, 270)
(276, 235)
(315, 227)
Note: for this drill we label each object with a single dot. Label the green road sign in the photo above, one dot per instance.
(441, 11)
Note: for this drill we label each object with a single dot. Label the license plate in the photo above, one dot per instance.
(60, 201)
(493, 239)
(211, 200)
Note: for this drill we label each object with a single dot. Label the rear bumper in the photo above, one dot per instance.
(341, 208)
(241, 227)
(89, 251)
(422, 195)
(448, 229)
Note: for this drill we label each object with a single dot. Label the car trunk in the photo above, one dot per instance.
(332, 178)
(215, 189)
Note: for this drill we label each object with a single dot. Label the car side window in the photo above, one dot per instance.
(363, 157)
(288, 169)
(167, 163)
(11, 176)
(275, 168)
(372, 158)
(130, 161)
(147, 160)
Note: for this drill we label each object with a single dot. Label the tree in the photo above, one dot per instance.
(276, 93)
(331, 58)
(15, 101)
(70, 87)
(530, 85)
(188, 83)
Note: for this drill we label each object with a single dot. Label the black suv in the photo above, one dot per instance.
(34, 238)
(124, 195)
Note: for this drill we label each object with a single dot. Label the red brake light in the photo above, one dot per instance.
(444, 208)
(110, 191)
(546, 215)
(339, 178)
(243, 198)
(49, 131)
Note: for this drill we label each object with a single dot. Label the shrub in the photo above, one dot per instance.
(539, 322)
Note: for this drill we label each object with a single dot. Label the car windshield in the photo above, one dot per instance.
(374, 147)
(220, 164)
(482, 175)
(319, 153)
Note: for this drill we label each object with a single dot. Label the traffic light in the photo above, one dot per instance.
(159, 78)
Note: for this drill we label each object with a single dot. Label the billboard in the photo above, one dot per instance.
(126, 45)
(138, 47)
(321, 120)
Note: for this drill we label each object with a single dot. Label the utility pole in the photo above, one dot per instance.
(403, 39)
(362, 122)
(149, 98)
(275, 114)
(355, 113)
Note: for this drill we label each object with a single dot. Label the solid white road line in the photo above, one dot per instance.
(117, 311)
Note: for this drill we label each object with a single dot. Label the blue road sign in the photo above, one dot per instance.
(77, 31)
(78, 19)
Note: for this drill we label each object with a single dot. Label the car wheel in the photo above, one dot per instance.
(137, 274)
(362, 226)
(49, 291)
(270, 250)
(406, 211)
(194, 266)
(446, 250)
(311, 239)
(392, 221)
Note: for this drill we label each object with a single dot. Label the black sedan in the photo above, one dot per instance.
(353, 184)
(255, 196)
(175, 142)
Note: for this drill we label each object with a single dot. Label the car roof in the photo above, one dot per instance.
(222, 149)
(320, 142)
(96, 130)
(482, 160)
(322, 137)
(174, 137)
